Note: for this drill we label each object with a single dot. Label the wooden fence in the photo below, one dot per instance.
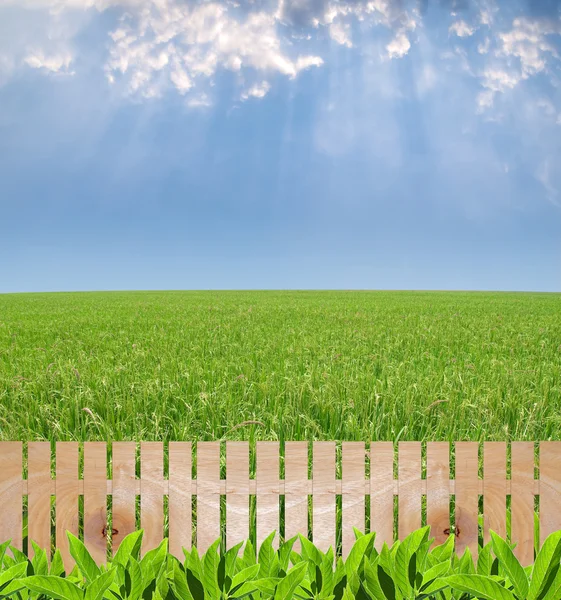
(423, 486)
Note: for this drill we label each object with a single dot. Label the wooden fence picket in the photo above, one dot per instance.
(39, 495)
(11, 501)
(296, 490)
(353, 501)
(409, 493)
(180, 498)
(151, 494)
(123, 505)
(466, 526)
(522, 501)
(237, 493)
(323, 489)
(381, 492)
(550, 488)
(494, 489)
(208, 494)
(438, 490)
(267, 486)
(67, 491)
(95, 500)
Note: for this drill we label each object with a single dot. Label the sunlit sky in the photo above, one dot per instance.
(370, 144)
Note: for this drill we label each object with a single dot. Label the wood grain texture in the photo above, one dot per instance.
(151, 494)
(95, 500)
(39, 495)
(267, 476)
(494, 489)
(67, 491)
(353, 501)
(409, 499)
(180, 495)
(323, 523)
(522, 501)
(467, 497)
(237, 493)
(381, 492)
(550, 488)
(296, 490)
(438, 491)
(11, 499)
(208, 494)
(124, 491)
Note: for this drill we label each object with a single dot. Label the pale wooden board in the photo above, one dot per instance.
(124, 491)
(324, 489)
(550, 488)
(296, 491)
(352, 486)
(151, 494)
(467, 497)
(267, 484)
(409, 498)
(438, 491)
(522, 501)
(95, 500)
(381, 492)
(179, 503)
(494, 489)
(11, 499)
(67, 491)
(208, 494)
(39, 495)
(237, 493)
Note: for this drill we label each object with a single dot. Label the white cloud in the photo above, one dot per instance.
(543, 175)
(341, 33)
(483, 47)
(259, 90)
(485, 100)
(399, 46)
(55, 63)
(461, 29)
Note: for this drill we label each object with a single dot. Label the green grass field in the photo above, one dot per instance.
(300, 365)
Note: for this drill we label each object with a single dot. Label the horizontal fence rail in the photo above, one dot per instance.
(326, 489)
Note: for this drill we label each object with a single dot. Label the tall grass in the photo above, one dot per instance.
(280, 365)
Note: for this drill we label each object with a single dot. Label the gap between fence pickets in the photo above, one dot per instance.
(253, 487)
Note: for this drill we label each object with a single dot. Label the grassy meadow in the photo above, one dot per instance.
(280, 365)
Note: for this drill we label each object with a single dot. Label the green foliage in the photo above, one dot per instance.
(409, 570)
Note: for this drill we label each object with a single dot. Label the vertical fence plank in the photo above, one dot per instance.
(208, 494)
(124, 491)
(494, 489)
(296, 491)
(151, 494)
(323, 525)
(438, 490)
(237, 493)
(409, 499)
(267, 476)
(467, 497)
(522, 501)
(550, 488)
(39, 496)
(180, 494)
(381, 492)
(11, 499)
(95, 500)
(353, 483)
(66, 498)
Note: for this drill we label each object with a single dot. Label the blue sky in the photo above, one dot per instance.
(370, 144)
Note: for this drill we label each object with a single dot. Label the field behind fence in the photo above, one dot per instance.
(196, 493)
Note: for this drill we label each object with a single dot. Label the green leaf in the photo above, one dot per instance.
(130, 546)
(243, 576)
(179, 583)
(444, 551)
(553, 590)
(267, 585)
(326, 570)
(478, 586)
(136, 579)
(268, 558)
(57, 565)
(195, 586)
(511, 565)
(83, 558)
(248, 558)
(466, 565)
(99, 586)
(433, 573)
(53, 587)
(371, 581)
(210, 572)
(289, 583)
(15, 572)
(361, 547)
(546, 565)
(310, 551)
(39, 561)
